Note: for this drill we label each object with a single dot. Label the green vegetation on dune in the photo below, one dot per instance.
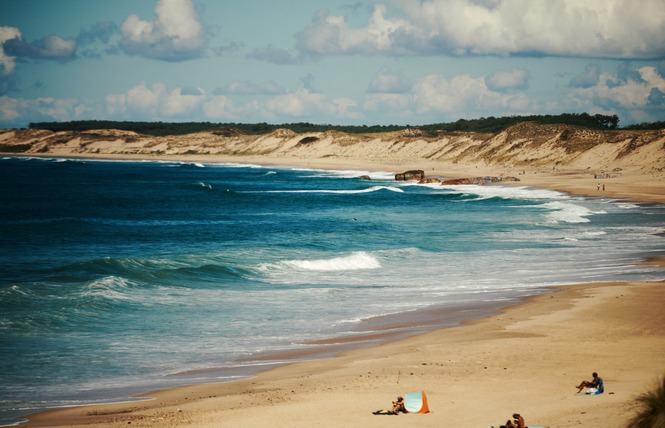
(483, 125)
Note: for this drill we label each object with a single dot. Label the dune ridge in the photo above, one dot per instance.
(525, 145)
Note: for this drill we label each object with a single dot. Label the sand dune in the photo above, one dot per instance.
(526, 145)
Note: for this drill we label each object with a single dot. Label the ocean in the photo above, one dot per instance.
(119, 277)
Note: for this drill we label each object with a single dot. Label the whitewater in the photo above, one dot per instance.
(123, 277)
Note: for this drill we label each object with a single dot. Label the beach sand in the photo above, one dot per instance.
(525, 359)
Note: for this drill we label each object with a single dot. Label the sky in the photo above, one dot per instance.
(340, 62)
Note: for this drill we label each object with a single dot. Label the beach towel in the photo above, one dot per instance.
(384, 412)
(591, 391)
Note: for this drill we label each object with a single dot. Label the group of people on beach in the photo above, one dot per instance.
(595, 386)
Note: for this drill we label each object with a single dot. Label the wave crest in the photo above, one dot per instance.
(356, 261)
(337, 192)
(561, 212)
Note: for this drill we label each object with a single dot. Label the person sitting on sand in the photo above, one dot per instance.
(597, 383)
(398, 406)
(518, 422)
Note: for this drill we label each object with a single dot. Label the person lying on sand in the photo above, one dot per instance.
(597, 383)
(398, 406)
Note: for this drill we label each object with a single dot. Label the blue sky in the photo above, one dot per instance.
(330, 61)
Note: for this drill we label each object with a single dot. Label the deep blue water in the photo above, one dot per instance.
(116, 275)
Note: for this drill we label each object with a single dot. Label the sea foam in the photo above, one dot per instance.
(356, 261)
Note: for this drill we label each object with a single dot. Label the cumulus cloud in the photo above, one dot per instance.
(507, 80)
(94, 41)
(19, 111)
(9, 109)
(436, 98)
(176, 34)
(588, 78)
(625, 93)
(298, 104)
(435, 93)
(219, 107)
(388, 82)
(602, 29)
(305, 103)
(7, 61)
(331, 35)
(50, 47)
(638, 95)
(156, 101)
(275, 55)
(656, 97)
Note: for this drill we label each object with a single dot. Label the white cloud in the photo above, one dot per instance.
(178, 103)
(388, 82)
(7, 62)
(634, 95)
(20, 110)
(506, 80)
(116, 105)
(275, 55)
(344, 108)
(592, 28)
(54, 47)
(59, 109)
(49, 47)
(176, 34)
(329, 35)
(300, 103)
(144, 100)
(435, 98)
(628, 94)
(218, 107)
(463, 93)
(154, 102)
(9, 109)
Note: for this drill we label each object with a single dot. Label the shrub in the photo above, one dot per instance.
(652, 409)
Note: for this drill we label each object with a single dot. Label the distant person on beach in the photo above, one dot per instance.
(596, 383)
(398, 406)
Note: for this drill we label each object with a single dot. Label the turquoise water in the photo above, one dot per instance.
(123, 277)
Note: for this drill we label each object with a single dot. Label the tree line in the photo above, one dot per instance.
(482, 125)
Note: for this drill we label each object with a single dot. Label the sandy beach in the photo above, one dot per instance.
(527, 358)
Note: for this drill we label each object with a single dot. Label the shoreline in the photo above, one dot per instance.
(627, 185)
(460, 368)
(168, 408)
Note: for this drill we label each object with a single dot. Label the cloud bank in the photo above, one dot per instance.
(617, 29)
